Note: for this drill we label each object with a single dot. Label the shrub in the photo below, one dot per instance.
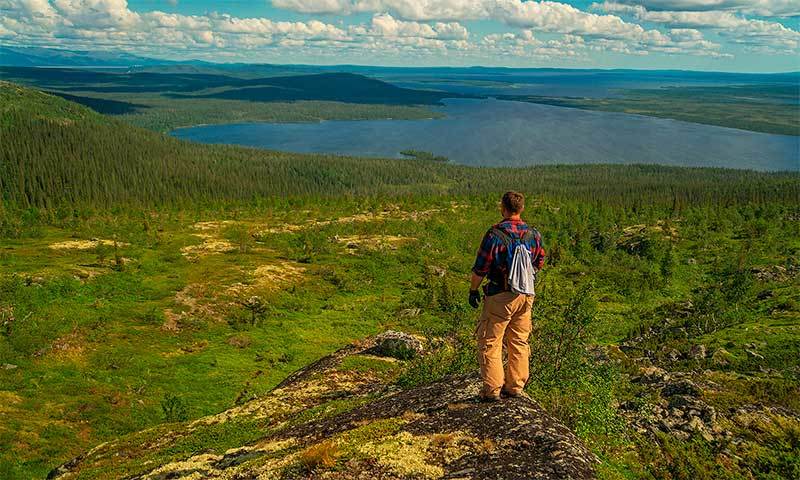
(450, 358)
(174, 408)
(322, 455)
(240, 236)
(559, 342)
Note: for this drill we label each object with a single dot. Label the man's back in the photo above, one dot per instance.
(492, 260)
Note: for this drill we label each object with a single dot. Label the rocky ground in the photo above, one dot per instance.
(342, 418)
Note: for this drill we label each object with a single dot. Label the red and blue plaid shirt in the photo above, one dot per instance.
(492, 256)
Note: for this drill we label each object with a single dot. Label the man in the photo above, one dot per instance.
(506, 316)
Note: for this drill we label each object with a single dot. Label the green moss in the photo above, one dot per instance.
(380, 366)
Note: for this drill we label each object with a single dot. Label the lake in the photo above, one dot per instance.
(506, 133)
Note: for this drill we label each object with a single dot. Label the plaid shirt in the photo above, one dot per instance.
(492, 257)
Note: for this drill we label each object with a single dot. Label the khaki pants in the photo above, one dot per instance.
(505, 320)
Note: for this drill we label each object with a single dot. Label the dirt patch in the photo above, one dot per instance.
(188, 349)
(283, 272)
(240, 341)
(7, 400)
(85, 244)
(212, 225)
(285, 228)
(172, 321)
(372, 242)
(211, 245)
(69, 347)
(392, 212)
(668, 230)
(269, 277)
(195, 301)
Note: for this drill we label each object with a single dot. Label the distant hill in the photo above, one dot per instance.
(334, 86)
(84, 80)
(342, 87)
(14, 56)
(52, 57)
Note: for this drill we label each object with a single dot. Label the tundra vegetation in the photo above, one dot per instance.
(146, 281)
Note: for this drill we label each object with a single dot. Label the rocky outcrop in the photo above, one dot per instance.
(399, 345)
(680, 410)
(330, 420)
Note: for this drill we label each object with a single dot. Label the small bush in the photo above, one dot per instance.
(322, 455)
(339, 280)
(454, 357)
(174, 408)
(559, 344)
(240, 236)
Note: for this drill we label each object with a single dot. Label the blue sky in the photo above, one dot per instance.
(730, 35)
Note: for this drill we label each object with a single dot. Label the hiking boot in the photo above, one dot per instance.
(505, 394)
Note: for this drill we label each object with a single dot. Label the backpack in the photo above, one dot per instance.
(521, 272)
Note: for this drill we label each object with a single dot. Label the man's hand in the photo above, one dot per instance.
(474, 298)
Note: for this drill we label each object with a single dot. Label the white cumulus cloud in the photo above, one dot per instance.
(735, 27)
(768, 8)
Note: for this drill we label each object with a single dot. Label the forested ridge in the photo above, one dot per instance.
(55, 152)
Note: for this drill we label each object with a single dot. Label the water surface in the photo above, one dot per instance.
(505, 133)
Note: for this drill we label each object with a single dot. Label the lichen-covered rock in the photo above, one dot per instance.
(697, 352)
(680, 410)
(721, 357)
(329, 421)
(680, 387)
(399, 345)
(651, 374)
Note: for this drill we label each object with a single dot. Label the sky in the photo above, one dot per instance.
(721, 35)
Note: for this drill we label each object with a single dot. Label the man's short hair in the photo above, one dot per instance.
(513, 202)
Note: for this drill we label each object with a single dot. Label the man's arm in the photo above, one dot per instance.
(475, 281)
(474, 293)
(483, 262)
(538, 252)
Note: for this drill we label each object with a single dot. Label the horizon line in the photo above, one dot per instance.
(207, 62)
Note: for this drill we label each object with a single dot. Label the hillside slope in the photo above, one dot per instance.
(18, 102)
(333, 420)
(163, 99)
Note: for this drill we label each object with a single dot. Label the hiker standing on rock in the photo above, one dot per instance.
(509, 256)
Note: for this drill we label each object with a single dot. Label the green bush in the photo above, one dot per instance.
(450, 358)
(174, 408)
